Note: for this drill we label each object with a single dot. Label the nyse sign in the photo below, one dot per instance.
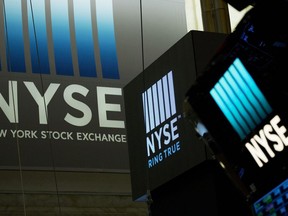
(92, 113)
(161, 121)
(270, 139)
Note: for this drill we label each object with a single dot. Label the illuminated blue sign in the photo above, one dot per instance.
(63, 34)
(240, 99)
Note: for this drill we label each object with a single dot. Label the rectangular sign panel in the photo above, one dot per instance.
(161, 142)
(63, 66)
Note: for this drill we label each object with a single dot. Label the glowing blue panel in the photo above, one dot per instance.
(227, 113)
(61, 37)
(84, 38)
(232, 82)
(240, 99)
(237, 103)
(38, 36)
(231, 107)
(248, 92)
(252, 85)
(106, 37)
(14, 34)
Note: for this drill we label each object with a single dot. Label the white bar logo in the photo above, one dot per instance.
(159, 102)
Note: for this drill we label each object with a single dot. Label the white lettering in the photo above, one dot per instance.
(41, 101)
(3, 133)
(56, 135)
(80, 106)
(279, 130)
(97, 137)
(263, 141)
(27, 134)
(256, 152)
(104, 107)
(278, 146)
(174, 128)
(278, 140)
(164, 135)
(108, 112)
(150, 145)
(11, 109)
(158, 137)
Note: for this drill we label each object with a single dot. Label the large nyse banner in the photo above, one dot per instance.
(63, 66)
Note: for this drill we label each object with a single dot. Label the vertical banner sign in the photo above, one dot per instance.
(46, 40)
(60, 80)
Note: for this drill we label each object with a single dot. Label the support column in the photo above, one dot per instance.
(215, 16)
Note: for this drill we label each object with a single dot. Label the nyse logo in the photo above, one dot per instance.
(59, 37)
(10, 106)
(161, 121)
(245, 107)
(270, 139)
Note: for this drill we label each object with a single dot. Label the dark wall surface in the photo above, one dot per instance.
(204, 190)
